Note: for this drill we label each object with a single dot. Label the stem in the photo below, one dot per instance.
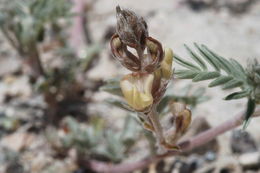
(36, 62)
(187, 145)
(77, 36)
(86, 30)
(153, 116)
(12, 42)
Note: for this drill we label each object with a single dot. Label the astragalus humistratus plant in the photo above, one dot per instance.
(151, 71)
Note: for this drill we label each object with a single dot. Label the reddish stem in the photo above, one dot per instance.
(187, 145)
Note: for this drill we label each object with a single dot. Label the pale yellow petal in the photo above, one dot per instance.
(137, 90)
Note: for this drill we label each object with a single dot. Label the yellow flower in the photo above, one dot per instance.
(165, 70)
(137, 89)
(166, 64)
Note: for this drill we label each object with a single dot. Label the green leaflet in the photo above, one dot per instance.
(112, 86)
(205, 76)
(237, 95)
(186, 74)
(232, 84)
(185, 63)
(211, 60)
(196, 58)
(220, 80)
(112, 89)
(236, 70)
(119, 104)
(238, 67)
(222, 62)
(249, 111)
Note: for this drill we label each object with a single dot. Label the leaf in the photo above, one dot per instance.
(238, 70)
(205, 76)
(232, 84)
(115, 147)
(222, 61)
(238, 66)
(130, 131)
(220, 80)
(196, 58)
(249, 111)
(237, 95)
(119, 104)
(185, 63)
(231, 67)
(208, 57)
(112, 87)
(186, 74)
(199, 92)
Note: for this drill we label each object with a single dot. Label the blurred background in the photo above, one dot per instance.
(55, 61)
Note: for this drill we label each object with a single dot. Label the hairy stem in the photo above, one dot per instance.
(187, 145)
(153, 116)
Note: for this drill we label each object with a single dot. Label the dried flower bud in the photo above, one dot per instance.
(132, 30)
(136, 88)
(177, 108)
(154, 56)
(126, 58)
(182, 120)
(182, 117)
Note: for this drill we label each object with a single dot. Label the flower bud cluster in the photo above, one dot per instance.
(151, 66)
